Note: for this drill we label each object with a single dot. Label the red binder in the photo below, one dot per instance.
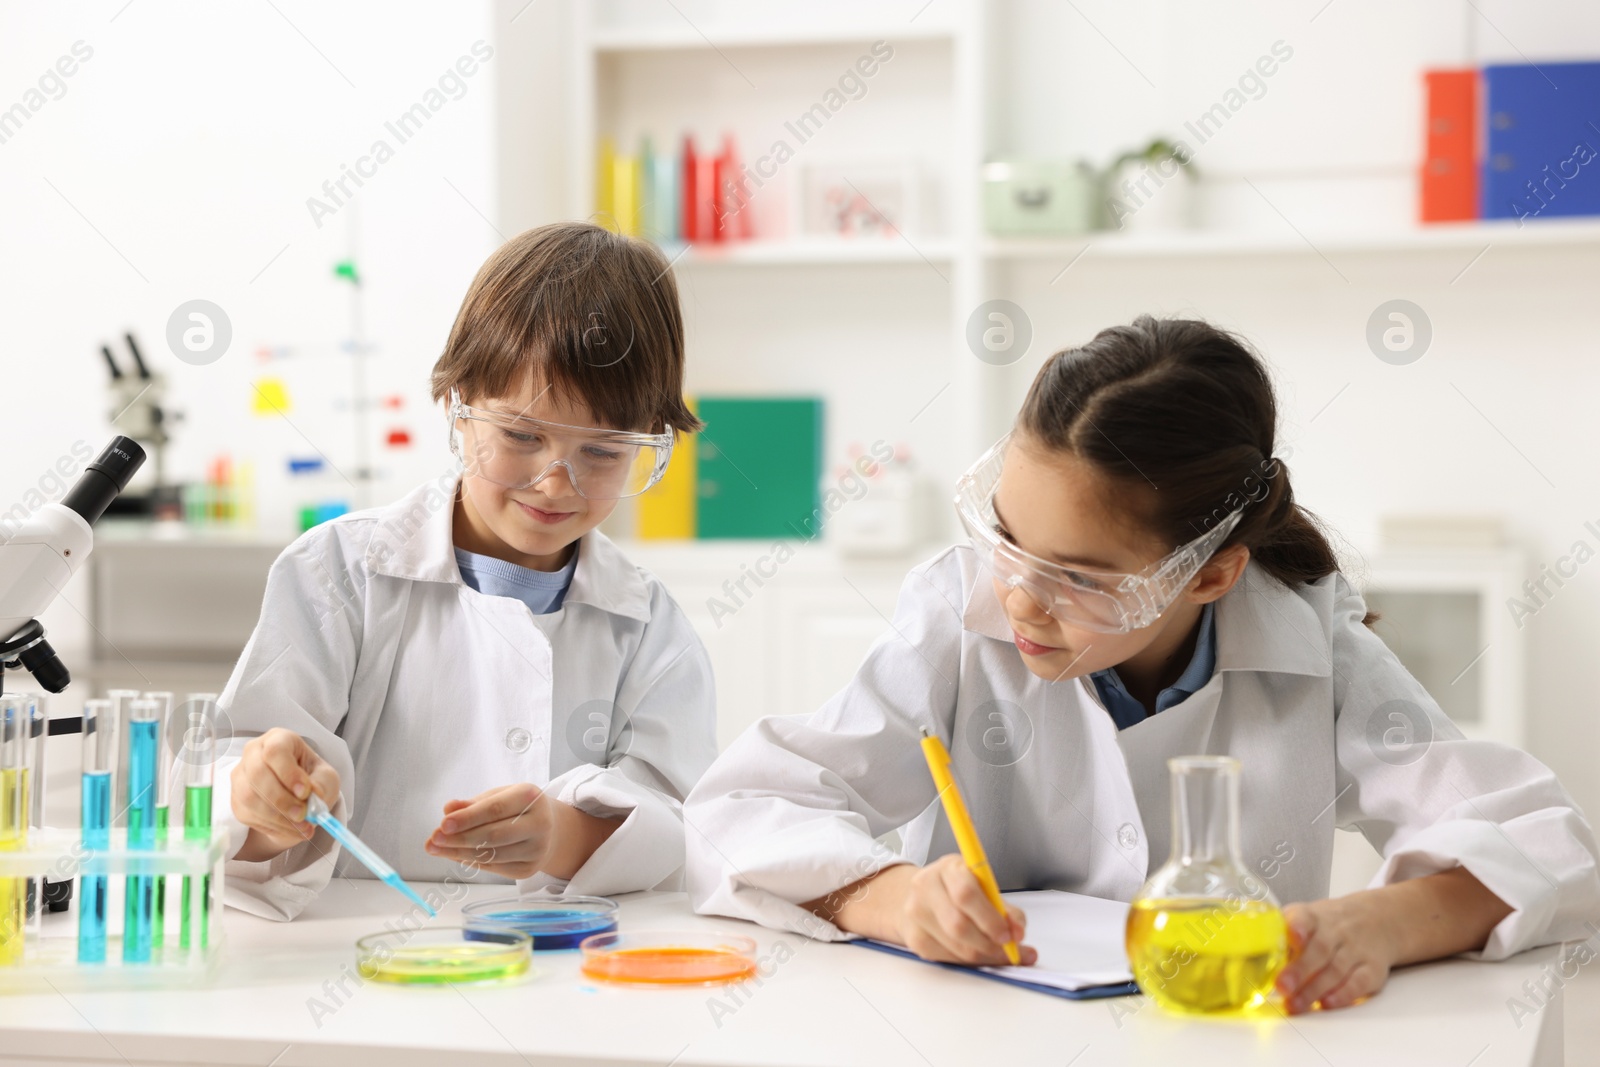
(1449, 179)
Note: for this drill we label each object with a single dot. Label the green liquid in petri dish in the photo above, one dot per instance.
(446, 963)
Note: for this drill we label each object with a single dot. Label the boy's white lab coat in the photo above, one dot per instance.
(1332, 732)
(418, 689)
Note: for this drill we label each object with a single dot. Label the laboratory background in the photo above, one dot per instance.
(238, 233)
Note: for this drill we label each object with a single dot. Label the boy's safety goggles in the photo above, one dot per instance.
(516, 452)
(1102, 601)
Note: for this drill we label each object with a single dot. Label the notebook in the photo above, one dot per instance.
(1080, 943)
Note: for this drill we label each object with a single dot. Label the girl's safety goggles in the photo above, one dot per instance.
(516, 452)
(1102, 601)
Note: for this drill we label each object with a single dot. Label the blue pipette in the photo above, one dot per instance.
(317, 814)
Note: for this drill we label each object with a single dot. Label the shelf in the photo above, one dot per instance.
(1471, 236)
(813, 252)
(686, 37)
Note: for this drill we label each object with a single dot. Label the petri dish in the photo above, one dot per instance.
(668, 958)
(440, 954)
(554, 923)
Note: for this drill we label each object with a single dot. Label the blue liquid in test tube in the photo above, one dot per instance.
(143, 739)
(99, 753)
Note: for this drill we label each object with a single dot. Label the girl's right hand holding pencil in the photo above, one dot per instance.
(939, 912)
(270, 784)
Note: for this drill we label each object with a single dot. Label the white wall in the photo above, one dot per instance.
(176, 165)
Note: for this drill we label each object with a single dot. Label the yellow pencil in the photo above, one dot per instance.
(961, 823)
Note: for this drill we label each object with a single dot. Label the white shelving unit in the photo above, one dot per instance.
(625, 52)
(1469, 237)
(800, 637)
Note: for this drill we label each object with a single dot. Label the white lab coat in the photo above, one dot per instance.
(418, 689)
(1063, 800)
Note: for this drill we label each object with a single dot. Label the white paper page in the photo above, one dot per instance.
(1080, 940)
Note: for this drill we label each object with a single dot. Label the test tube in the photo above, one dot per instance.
(14, 792)
(99, 757)
(121, 707)
(36, 716)
(144, 733)
(196, 759)
(158, 926)
(39, 735)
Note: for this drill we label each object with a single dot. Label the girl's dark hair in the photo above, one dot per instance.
(1184, 412)
(593, 314)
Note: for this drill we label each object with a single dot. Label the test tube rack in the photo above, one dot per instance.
(50, 948)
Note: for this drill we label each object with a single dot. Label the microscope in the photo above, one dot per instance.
(38, 557)
(139, 409)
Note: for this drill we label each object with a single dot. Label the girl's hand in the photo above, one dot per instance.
(518, 830)
(938, 911)
(947, 917)
(270, 784)
(1339, 951)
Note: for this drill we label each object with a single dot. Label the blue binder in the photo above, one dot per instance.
(1542, 140)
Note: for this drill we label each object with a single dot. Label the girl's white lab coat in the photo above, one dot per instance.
(418, 689)
(1331, 730)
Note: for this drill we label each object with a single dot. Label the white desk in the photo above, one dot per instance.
(827, 1005)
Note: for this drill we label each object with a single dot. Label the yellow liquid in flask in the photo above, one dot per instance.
(1206, 956)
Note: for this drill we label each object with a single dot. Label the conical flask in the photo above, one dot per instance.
(1204, 934)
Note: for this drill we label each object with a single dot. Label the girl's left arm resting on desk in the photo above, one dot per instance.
(1344, 948)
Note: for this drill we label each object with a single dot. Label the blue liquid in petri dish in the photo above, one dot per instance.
(552, 929)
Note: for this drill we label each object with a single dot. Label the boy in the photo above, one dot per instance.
(481, 631)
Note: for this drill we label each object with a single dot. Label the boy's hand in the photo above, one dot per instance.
(518, 830)
(271, 782)
(1339, 953)
(506, 831)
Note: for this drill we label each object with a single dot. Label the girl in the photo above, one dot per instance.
(474, 677)
(1140, 584)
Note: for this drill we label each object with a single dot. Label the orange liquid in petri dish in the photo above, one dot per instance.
(669, 965)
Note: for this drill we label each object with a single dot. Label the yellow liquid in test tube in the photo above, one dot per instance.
(1206, 956)
(13, 835)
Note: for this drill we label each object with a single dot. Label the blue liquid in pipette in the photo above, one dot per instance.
(552, 929)
(396, 882)
(139, 911)
(318, 814)
(92, 889)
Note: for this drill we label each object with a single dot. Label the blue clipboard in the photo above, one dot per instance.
(1099, 992)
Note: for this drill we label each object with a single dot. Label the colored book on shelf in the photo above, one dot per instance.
(733, 195)
(1541, 141)
(688, 219)
(659, 202)
(760, 467)
(1448, 184)
(666, 510)
(603, 167)
(699, 195)
(625, 193)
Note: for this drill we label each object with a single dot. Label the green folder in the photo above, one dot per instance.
(760, 467)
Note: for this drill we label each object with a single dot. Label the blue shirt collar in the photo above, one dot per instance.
(1127, 711)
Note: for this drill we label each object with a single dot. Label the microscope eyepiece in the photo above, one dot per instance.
(107, 476)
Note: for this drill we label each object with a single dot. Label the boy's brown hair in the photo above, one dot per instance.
(593, 315)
